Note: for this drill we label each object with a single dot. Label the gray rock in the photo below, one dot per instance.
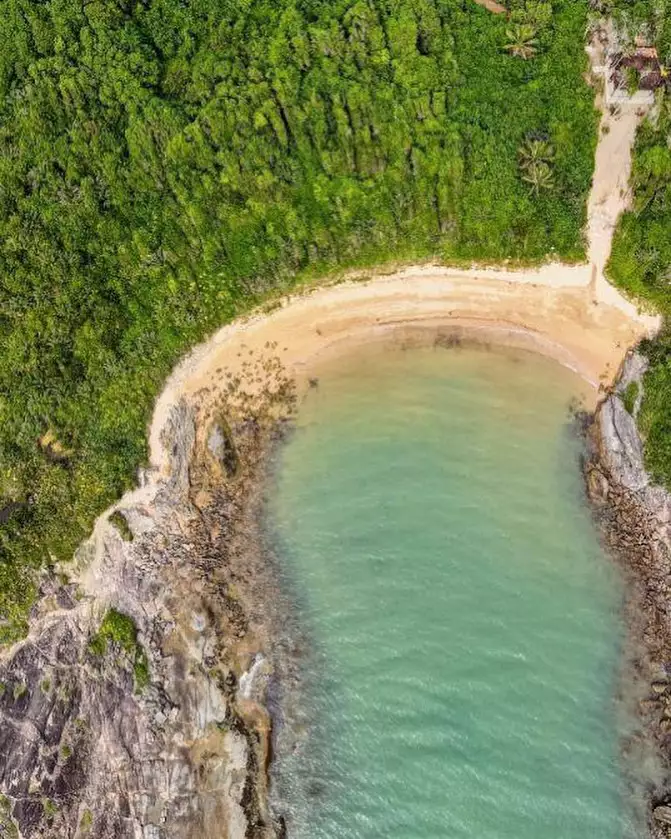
(662, 814)
(621, 445)
(635, 516)
(84, 751)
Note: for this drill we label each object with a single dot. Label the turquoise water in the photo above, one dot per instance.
(463, 623)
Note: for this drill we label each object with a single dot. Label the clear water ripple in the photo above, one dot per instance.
(464, 622)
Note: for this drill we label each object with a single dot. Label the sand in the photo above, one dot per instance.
(555, 310)
(492, 6)
(610, 194)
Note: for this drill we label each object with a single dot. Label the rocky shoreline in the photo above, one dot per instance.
(157, 727)
(634, 517)
(92, 748)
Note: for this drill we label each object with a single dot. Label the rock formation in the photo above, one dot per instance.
(636, 519)
(156, 728)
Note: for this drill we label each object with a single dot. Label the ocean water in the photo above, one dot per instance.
(462, 623)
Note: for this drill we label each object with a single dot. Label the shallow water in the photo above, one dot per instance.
(463, 622)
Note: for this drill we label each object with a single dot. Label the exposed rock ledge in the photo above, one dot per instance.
(636, 519)
(85, 752)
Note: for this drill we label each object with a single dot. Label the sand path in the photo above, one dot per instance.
(497, 8)
(610, 193)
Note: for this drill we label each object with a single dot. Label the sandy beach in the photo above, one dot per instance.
(558, 310)
(568, 312)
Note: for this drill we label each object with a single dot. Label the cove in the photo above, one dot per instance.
(463, 623)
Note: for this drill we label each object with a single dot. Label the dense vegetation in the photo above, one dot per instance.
(641, 259)
(166, 164)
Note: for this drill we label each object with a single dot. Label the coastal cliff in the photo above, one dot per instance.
(635, 517)
(147, 719)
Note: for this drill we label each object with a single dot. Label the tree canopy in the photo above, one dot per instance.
(166, 165)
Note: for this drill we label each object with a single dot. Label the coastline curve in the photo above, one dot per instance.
(553, 310)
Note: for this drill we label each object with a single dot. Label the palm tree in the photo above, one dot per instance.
(535, 157)
(539, 175)
(521, 40)
(535, 151)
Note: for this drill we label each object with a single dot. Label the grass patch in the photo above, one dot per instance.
(8, 829)
(121, 523)
(50, 807)
(629, 397)
(117, 628)
(120, 630)
(141, 670)
(86, 822)
(20, 689)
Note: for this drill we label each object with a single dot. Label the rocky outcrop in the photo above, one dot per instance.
(168, 737)
(635, 516)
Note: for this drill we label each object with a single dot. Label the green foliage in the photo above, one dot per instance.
(50, 807)
(630, 396)
(166, 165)
(648, 18)
(654, 417)
(8, 828)
(538, 13)
(536, 156)
(120, 630)
(141, 670)
(119, 521)
(640, 265)
(535, 150)
(527, 18)
(632, 79)
(522, 40)
(20, 689)
(86, 822)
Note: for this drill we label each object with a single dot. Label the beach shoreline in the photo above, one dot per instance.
(193, 749)
(556, 310)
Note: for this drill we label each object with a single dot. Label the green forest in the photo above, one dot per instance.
(641, 259)
(166, 165)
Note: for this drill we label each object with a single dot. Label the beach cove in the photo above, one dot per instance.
(225, 647)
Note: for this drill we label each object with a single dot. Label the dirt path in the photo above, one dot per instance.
(610, 194)
(497, 8)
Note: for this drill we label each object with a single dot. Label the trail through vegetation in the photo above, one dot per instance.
(497, 8)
